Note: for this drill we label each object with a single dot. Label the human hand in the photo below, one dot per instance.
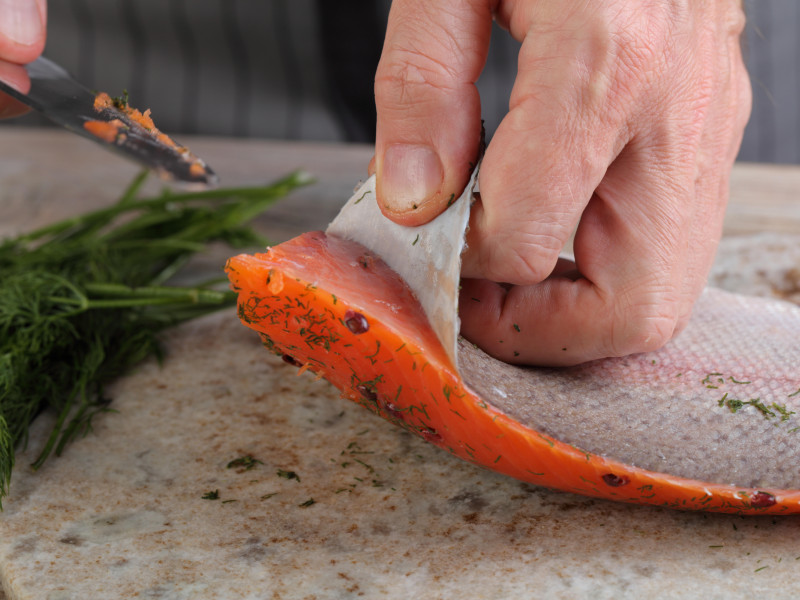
(624, 121)
(22, 37)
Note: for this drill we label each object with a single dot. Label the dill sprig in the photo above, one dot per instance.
(83, 300)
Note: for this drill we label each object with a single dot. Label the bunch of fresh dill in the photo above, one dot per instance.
(83, 300)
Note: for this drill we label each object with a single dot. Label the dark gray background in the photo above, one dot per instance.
(302, 69)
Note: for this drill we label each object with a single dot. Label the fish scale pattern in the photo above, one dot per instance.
(719, 403)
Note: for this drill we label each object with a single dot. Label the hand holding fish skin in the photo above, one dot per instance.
(22, 36)
(624, 121)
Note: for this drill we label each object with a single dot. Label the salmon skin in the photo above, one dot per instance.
(710, 422)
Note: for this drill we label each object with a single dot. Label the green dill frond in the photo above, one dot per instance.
(84, 300)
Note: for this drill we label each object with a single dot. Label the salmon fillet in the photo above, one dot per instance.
(709, 422)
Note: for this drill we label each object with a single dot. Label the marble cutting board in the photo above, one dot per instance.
(122, 513)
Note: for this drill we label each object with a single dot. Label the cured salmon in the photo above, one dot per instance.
(710, 422)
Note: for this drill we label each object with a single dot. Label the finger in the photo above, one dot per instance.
(22, 30)
(548, 155)
(17, 77)
(505, 321)
(9, 107)
(630, 250)
(645, 239)
(429, 126)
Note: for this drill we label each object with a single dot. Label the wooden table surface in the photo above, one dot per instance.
(46, 175)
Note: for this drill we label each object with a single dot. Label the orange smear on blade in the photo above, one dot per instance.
(106, 131)
(109, 131)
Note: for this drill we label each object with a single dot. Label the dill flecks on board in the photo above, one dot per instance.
(83, 300)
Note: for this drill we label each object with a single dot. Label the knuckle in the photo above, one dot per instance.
(524, 258)
(646, 326)
(736, 19)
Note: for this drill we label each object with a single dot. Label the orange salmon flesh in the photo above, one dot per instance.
(696, 426)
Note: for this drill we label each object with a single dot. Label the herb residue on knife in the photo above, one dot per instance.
(83, 300)
(120, 120)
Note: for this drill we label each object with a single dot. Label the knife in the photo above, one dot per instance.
(54, 93)
(427, 257)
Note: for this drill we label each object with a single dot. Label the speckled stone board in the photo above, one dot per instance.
(339, 504)
(336, 503)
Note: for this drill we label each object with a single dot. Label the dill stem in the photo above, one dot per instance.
(153, 301)
(133, 188)
(147, 296)
(193, 295)
(133, 302)
(52, 439)
(104, 215)
(171, 269)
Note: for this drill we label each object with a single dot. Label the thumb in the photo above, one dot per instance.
(17, 77)
(22, 30)
(429, 122)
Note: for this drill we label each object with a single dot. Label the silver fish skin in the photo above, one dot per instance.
(720, 403)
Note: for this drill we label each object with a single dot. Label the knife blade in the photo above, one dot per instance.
(54, 93)
(427, 257)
